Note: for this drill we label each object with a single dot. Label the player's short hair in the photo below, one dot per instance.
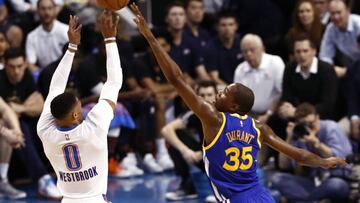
(225, 14)
(187, 2)
(244, 97)
(172, 5)
(39, 2)
(304, 110)
(304, 37)
(12, 53)
(62, 105)
(206, 84)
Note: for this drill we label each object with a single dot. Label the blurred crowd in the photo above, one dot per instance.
(301, 58)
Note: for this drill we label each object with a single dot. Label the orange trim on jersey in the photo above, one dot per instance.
(238, 116)
(218, 134)
(258, 132)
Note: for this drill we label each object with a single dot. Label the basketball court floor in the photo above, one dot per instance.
(149, 188)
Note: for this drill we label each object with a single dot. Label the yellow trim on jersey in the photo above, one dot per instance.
(238, 116)
(258, 132)
(218, 134)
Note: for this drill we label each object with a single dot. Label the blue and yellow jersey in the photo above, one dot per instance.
(230, 159)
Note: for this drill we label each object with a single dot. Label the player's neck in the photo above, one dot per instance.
(65, 124)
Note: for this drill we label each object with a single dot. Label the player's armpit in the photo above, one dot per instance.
(112, 104)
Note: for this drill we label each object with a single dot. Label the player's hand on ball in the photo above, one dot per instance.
(108, 24)
(140, 21)
(74, 32)
(333, 162)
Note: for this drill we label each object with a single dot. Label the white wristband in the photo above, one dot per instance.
(110, 39)
(73, 46)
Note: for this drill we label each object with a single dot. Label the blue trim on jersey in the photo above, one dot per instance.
(230, 162)
(64, 129)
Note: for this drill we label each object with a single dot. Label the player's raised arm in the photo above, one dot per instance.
(60, 77)
(205, 111)
(114, 80)
(301, 156)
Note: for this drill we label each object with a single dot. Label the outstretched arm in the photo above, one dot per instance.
(301, 156)
(114, 81)
(61, 74)
(205, 111)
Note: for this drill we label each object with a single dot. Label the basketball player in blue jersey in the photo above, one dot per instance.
(232, 139)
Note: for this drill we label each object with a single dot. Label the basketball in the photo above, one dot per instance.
(113, 5)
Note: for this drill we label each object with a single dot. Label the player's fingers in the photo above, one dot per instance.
(78, 29)
(117, 20)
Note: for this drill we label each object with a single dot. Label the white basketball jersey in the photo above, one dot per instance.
(79, 155)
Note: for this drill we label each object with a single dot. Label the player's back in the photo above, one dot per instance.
(230, 159)
(79, 154)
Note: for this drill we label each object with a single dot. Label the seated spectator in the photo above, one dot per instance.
(10, 137)
(340, 36)
(224, 54)
(194, 16)
(13, 32)
(184, 49)
(262, 73)
(353, 97)
(322, 137)
(306, 20)
(262, 17)
(308, 79)
(22, 6)
(44, 44)
(4, 45)
(185, 136)
(151, 77)
(323, 8)
(18, 89)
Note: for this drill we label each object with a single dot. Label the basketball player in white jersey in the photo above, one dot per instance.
(77, 148)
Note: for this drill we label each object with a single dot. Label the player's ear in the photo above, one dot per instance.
(75, 115)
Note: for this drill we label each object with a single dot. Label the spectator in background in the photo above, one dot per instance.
(44, 44)
(322, 137)
(13, 32)
(22, 6)
(10, 137)
(308, 79)
(4, 45)
(340, 37)
(224, 54)
(194, 16)
(18, 89)
(323, 8)
(262, 73)
(353, 97)
(185, 136)
(184, 50)
(262, 17)
(306, 20)
(152, 78)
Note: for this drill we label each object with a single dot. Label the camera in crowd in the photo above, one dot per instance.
(300, 130)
